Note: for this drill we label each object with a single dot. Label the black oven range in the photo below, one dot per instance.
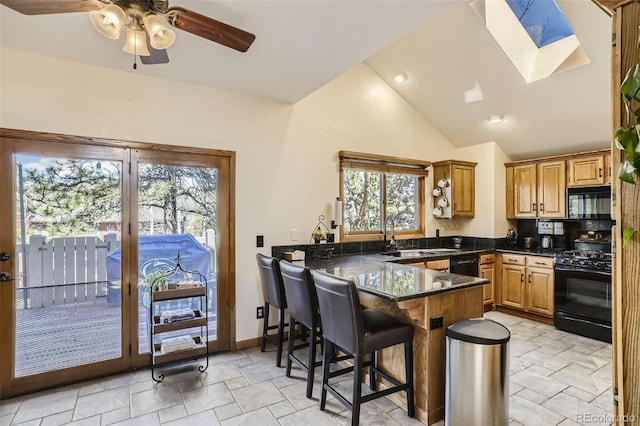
(582, 296)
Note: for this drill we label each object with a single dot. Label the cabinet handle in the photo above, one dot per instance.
(521, 277)
(529, 278)
(600, 172)
(455, 206)
(512, 259)
(539, 263)
(541, 207)
(533, 206)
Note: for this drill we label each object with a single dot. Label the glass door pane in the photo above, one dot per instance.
(68, 220)
(177, 215)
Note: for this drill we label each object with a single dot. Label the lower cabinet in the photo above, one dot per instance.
(487, 270)
(526, 283)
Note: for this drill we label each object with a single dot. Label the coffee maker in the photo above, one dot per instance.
(551, 235)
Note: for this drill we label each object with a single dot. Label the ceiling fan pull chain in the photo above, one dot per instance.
(135, 50)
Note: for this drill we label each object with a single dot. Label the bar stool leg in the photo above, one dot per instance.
(312, 360)
(280, 338)
(372, 371)
(408, 368)
(290, 346)
(326, 362)
(357, 390)
(265, 327)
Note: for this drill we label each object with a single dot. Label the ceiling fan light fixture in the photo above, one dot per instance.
(136, 42)
(160, 36)
(109, 20)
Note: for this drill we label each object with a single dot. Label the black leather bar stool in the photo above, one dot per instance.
(302, 303)
(273, 293)
(359, 332)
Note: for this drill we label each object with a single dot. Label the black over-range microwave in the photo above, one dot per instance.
(589, 203)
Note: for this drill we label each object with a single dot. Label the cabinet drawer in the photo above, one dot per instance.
(438, 265)
(487, 258)
(514, 259)
(540, 262)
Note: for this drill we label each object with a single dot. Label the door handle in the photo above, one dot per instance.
(5, 276)
(4, 256)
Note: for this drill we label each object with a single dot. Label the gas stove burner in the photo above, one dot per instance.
(584, 259)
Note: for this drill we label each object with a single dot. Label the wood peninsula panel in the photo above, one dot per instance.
(429, 346)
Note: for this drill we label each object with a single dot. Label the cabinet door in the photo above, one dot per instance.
(525, 198)
(488, 272)
(551, 189)
(512, 286)
(463, 187)
(586, 171)
(607, 169)
(540, 291)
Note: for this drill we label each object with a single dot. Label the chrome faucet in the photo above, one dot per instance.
(392, 242)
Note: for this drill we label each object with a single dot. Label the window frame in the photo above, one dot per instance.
(385, 165)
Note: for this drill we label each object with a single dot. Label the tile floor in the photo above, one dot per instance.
(556, 378)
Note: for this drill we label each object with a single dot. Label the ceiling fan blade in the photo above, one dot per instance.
(203, 26)
(156, 57)
(40, 7)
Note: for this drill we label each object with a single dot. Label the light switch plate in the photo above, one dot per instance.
(295, 234)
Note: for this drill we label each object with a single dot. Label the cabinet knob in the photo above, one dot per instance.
(5, 276)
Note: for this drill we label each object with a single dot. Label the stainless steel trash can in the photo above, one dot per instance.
(477, 373)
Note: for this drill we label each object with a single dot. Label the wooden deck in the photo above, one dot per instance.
(56, 337)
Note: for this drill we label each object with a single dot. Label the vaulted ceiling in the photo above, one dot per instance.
(441, 45)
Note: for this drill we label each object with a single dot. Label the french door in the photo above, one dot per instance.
(81, 225)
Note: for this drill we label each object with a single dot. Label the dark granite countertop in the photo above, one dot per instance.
(384, 276)
(537, 251)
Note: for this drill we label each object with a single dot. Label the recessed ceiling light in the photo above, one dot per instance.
(400, 77)
(496, 119)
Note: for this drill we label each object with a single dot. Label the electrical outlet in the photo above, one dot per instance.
(260, 312)
(435, 323)
(259, 240)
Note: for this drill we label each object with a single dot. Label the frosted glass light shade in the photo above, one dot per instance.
(136, 43)
(109, 20)
(160, 36)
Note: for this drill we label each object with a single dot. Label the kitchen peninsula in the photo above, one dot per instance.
(428, 299)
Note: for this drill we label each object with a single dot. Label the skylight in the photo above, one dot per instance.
(534, 34)
(542, 19)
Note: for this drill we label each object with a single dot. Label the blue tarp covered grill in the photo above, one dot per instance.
(160, 252)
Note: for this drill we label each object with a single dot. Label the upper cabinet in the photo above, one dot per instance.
(539, 190)
(459, 190)
(588, 171)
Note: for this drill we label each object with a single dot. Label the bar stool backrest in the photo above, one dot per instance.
(340, 312)
(271, 278)
(302, 300)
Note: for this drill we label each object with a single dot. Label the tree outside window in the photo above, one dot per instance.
(375, 188)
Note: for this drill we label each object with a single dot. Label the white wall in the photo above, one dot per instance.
(287, 164)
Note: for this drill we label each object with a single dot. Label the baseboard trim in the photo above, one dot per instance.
(523, 314)
(249, 343)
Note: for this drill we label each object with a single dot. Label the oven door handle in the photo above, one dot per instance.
(587, 271)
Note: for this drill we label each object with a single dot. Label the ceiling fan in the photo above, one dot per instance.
(147, 36)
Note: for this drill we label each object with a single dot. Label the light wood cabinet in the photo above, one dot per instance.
(587, 171)
(539, 190)
(527, 283)
(487, 270)
(441, 265)
(462, 190)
